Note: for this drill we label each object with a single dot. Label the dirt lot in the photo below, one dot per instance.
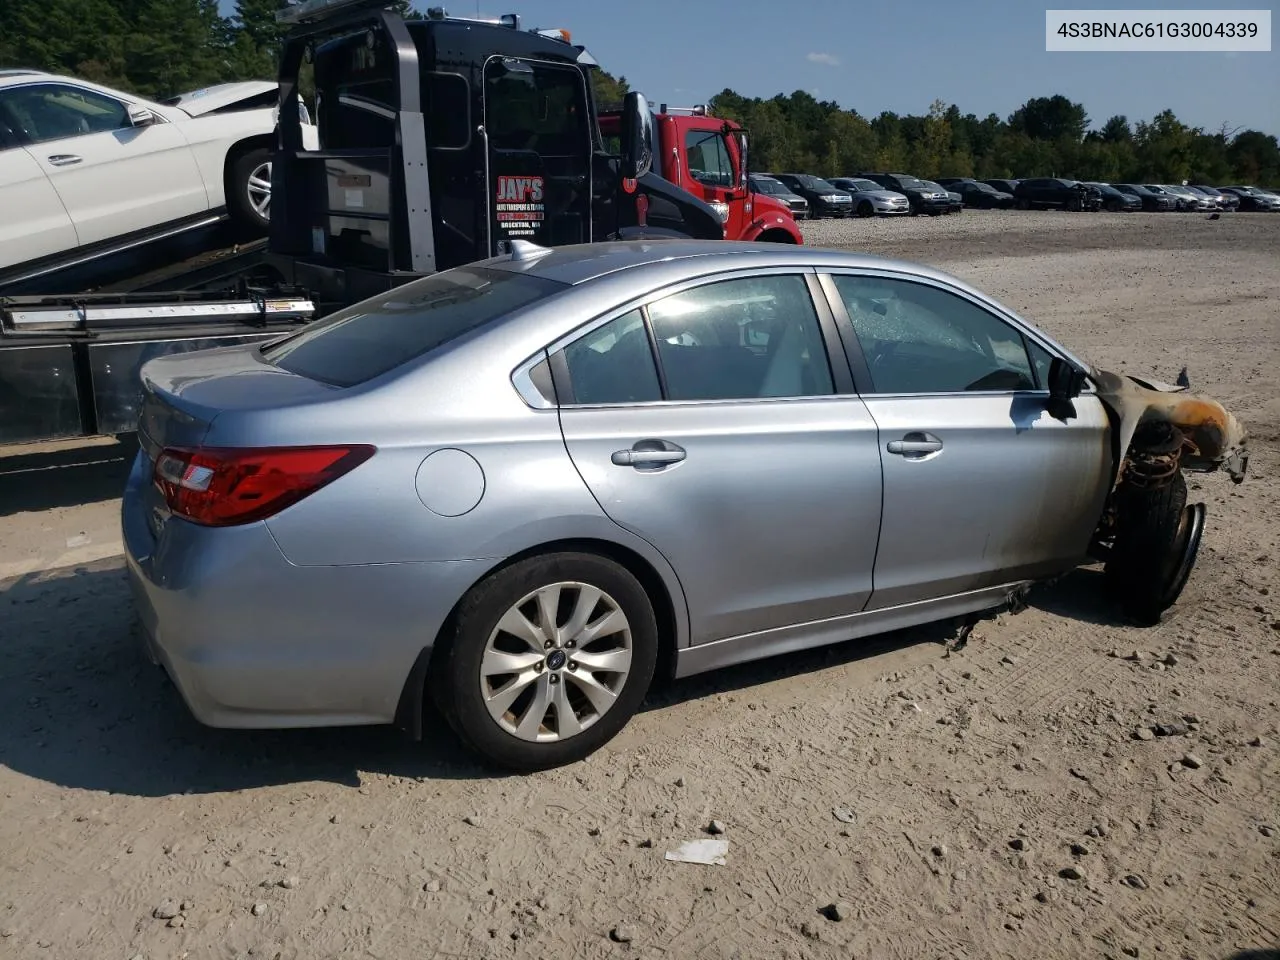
(939, 798)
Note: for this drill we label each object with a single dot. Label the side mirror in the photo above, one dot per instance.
(140, 116)
(637, 136)
(1065, 384)
(743, 182)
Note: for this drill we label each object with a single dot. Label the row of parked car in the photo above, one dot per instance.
(890, 194)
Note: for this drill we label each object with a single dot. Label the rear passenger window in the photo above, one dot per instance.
(614, 364)
(741, 340)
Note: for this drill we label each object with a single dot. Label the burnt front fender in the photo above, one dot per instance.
(1213, 437)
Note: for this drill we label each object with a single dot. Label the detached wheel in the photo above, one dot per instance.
(1156, 544)
(549, 660)
(249, 189)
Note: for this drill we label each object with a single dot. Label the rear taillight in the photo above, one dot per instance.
(225, 486)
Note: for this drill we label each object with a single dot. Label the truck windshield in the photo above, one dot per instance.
(373, 337)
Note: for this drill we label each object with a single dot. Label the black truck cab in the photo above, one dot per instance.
(442, 138)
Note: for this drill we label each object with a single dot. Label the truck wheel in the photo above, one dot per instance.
(249, 189)
(1024, 204)
(865, 209)
(548, 660)
(1156, 544)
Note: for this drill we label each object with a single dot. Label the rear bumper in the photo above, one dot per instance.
(251, 640)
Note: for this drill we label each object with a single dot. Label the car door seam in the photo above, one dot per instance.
(875, 556)
(688, 624)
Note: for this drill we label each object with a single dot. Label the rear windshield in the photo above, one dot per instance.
(366, 340)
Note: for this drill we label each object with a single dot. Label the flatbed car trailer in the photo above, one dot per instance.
(441, 141)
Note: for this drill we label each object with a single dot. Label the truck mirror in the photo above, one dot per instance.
(637, 136)
(742, 160)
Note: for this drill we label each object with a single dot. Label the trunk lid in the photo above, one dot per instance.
(182, 395)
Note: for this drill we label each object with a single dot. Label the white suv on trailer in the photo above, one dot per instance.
(85, 169)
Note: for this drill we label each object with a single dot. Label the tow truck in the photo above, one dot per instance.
(441, 141)
(707, 156)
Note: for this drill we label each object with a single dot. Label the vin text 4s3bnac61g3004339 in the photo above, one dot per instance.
(439, 141)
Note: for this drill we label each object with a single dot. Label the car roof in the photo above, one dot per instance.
(580, 263)
(14, 74)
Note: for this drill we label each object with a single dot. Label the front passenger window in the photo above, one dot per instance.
(708, 158)
(918, 338)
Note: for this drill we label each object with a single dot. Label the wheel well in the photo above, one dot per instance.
(413, 697)
(776, 236)
(237, 151)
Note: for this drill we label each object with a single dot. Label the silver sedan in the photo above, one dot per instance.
(871, 199)
(516, 488)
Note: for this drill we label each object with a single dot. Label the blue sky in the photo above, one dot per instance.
(984, 57)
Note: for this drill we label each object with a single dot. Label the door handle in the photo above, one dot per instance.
(915, 446)
(64, 159)
(645, 456)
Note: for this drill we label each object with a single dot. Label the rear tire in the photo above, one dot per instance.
(1156, 543)
(522, 738)
(249, 189)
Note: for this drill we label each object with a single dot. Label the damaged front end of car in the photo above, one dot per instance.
(1151, 417)
(1148, 535)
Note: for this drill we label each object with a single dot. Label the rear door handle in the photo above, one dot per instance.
(915, 446)
(644, 454)
(64, 159)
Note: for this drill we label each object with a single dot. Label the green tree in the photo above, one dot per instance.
(1254, 157)
(1116, 130)
(1050, 118)
(1164, 148)
(609, 91)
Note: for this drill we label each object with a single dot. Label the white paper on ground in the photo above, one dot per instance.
(701, 851)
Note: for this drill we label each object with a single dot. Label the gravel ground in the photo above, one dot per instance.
(1064, 786)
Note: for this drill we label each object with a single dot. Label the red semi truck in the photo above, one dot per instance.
(707, 157)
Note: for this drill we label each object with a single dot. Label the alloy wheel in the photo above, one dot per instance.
(259, 190)
(556, 662)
